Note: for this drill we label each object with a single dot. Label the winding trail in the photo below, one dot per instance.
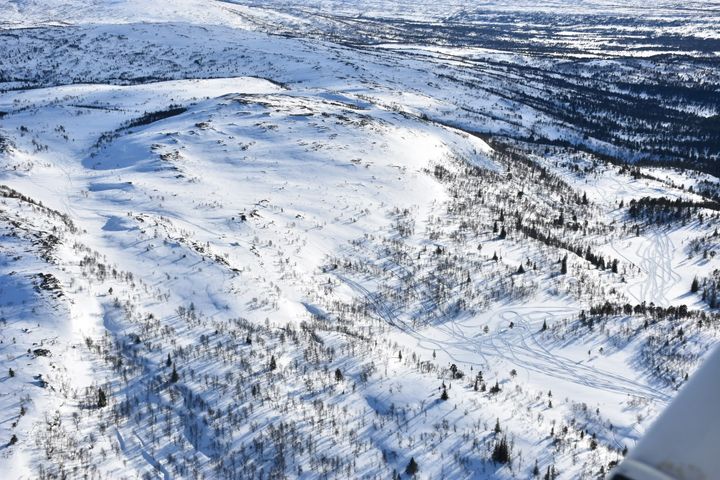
(519, 345)
(655, 262)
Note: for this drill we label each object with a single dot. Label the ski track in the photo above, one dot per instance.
(518, 345)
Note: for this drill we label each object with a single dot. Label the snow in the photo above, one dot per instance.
(180, 180)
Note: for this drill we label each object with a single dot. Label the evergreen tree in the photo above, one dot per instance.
(544, 326)
(338, 375)
(695, 285)
(273, 364)
(168, 362)
(412, 467)
(536, 470)
(102, 399)
(174, 377)
(501, 451)
(11, 372)
(520, 270)
(563, 265)
(503, 233)
(497, 426)
(444, 395)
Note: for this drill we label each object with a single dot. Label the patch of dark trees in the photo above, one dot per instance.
(663, 209)
(609, 309)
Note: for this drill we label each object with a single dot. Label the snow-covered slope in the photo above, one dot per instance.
(232, 254)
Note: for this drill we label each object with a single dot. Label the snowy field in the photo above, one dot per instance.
(237, 241)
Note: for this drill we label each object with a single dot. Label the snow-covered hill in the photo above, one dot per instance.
(228, 253)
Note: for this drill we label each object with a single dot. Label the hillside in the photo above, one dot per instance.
(245, 240)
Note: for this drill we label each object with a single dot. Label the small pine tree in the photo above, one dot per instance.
(536, 470)
(11, 372)
(412, 467)
(495, 388)
(501, 451)
(544, 326)
(503, 233)
(695, 285)
(497, 426)
(520, 270)
(563, 265)
(168, 362)
(248, 340)
(338, 375)
(13, 440)
(273, 364)
(102, 398)
(174, 377)
(444, 395)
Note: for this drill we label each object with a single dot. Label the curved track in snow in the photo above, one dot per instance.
(518, 346)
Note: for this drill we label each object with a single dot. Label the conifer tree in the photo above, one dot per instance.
(501, 451)
(412, 467)
(444, 395)
(102, 398)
